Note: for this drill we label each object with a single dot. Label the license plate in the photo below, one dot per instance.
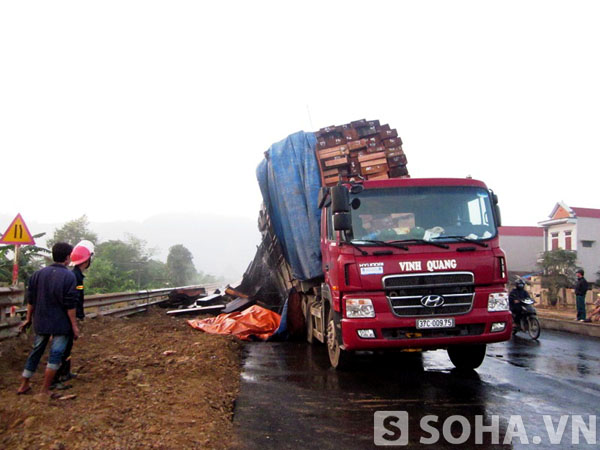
(435, 323)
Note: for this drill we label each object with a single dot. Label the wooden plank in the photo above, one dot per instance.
(340, 161)
(355, 145)
(332, 152)
(366, 170)
(371, 156)
(380, 176)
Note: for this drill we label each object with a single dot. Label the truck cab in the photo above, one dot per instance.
(410, 264)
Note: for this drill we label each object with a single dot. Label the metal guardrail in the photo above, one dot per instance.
(119, 304)
(123, 303)
(11, 298)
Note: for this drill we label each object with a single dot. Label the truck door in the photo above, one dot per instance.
(330, 251)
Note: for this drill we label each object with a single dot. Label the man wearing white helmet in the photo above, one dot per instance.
(81, 258)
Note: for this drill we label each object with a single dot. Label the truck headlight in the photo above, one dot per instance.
(359, 308)
(498, 302)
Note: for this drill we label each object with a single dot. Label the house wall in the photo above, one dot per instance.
(522, 252)
(588, 229)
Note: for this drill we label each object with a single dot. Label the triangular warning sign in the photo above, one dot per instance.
(17, 233)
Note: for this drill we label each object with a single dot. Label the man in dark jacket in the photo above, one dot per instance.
(81, 258)
(51, 298)
(514, 300)
(581, 288)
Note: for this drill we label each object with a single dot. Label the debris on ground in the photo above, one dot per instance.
(183, 297)
(213, 303)
(239, 304)
(254, 322)
(127, 394)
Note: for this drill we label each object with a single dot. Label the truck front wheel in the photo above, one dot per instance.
(338, 358)
(467, 356)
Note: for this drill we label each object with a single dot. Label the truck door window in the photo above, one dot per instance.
(330, 232)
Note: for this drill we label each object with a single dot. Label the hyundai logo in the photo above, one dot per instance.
(432, 301)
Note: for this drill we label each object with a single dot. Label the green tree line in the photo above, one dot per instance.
(117, 265)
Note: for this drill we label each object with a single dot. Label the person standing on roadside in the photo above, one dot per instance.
(51, 301)
(81, 258)
(581, 288)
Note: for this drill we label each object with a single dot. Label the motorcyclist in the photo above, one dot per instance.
(514, 300)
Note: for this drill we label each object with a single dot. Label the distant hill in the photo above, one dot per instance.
(221, 246)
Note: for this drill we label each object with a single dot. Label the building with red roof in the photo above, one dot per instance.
(575, 229)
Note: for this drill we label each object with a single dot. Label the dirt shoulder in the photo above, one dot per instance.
(149, 381)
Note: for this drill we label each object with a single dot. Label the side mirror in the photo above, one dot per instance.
(497, 214)
(340, 199)
(342, 221)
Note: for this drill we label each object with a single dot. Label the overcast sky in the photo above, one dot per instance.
(126, 109)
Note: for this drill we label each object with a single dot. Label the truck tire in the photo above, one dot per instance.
(338, 357)
(467, 356)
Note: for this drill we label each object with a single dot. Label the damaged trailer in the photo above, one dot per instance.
(287, 264)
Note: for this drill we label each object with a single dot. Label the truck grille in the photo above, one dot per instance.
(404, 293)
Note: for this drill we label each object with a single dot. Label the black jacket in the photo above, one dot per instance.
(79, 276)
(517, 294)
(581, 287)
(52, 292)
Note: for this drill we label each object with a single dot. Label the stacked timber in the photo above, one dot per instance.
(360, 150)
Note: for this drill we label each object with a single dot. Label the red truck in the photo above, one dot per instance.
(409, 264)
(369, 262)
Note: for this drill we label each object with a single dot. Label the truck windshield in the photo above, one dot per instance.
(432, 213)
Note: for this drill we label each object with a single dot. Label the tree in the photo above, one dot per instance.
(117, 266)
(124, 266)
(559, 268)
(181, 268)
(31, 258)
(103, 277)
(74, 231)
(157, 274)
(203, 278)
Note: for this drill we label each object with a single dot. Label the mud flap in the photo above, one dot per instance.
(337, 320)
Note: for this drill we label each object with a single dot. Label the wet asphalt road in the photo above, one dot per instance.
(290, 398)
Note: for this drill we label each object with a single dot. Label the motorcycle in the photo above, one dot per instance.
(528, 321)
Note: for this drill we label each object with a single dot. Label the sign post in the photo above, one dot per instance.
(17, 234)
(15, 272)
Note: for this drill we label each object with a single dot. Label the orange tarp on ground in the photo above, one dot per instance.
(253, 321)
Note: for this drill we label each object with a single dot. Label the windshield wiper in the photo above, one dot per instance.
(357, 247)
(422, 241)
(382, 243)
(463, 239)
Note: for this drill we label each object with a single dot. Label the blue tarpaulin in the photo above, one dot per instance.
(289, 180)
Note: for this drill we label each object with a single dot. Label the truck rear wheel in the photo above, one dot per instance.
(467, 356)
(338, 357)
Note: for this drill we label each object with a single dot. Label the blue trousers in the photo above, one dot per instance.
(57, 349)
(580, 307)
